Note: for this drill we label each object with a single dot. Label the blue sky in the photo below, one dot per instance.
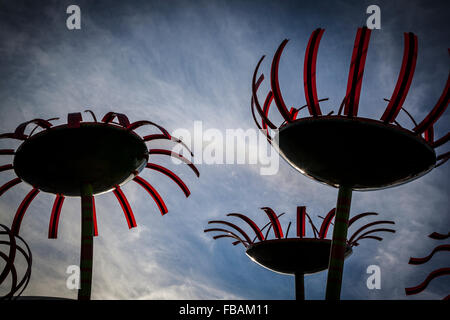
(176, 62)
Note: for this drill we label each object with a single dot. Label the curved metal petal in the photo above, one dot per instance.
(152, 137)
(171, 175)
(6, 167)
(439, 142)
(54, 219)
(355, 75)
(444, 247)
(141, 123)
(301, 221)
(74, 120)
(153, 193)
(123, 119)
(247, 238)
(7, 151)
(275, 222)
(275, 84)
(326, 223)
(230, 236)
(20, 130)
(22, 209)
(439, 236)
(92, 114)
(437, 110)
(309, 73)
(255, 98)
(252, 103)
(359, 216)
(367, 226)
(251, 223)
(424, 284)
(175, 155)
(370, 232)
(404, 79)
(125, 207)
(9, 185)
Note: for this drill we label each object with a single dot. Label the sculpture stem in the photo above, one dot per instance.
(87, 243)
(338, 244)
(299, 286)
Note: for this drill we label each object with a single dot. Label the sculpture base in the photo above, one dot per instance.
(293, 255)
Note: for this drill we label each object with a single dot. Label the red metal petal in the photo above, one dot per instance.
(10, 136)
(367, 226)
(247, 238)
(255, 97)
(444, 247)
(437, 110)
(175, 155)
(301, 219)
(404, 78)
(252, 103)
(6, 167)
(326, 223)
(365, 234)
(54, 219)
(152, 137)
(275, 222)
(439, 236)
(275, 84)
(20, 130)
(94, 217)
(355, 75)
(22, 209)
(123, 119)
(371, 237)
(309, 72)
(171, 175)
(9, 185)
(424, 284)
(429, 135)
(251, 223)
(152, 191)
(74, 120)
(441, 141)
(266, 107)
(141, 123)
(230, 236)
(125, 207)
(7, 151)
(92, 114)
(359, 216)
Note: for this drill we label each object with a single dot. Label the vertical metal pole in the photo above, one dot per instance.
(87, 243)
(339, 243)
(299, 286)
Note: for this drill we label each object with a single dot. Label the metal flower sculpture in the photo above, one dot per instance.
(296, 255)
(9, 257)
(434, 274)
(344, 150)
(84, 159)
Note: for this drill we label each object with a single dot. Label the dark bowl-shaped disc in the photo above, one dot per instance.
(293, 255)
(360, 153)
(60, 160)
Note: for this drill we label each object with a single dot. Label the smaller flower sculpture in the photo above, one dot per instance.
(296, 255)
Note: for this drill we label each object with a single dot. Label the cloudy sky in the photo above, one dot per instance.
(178, 62)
